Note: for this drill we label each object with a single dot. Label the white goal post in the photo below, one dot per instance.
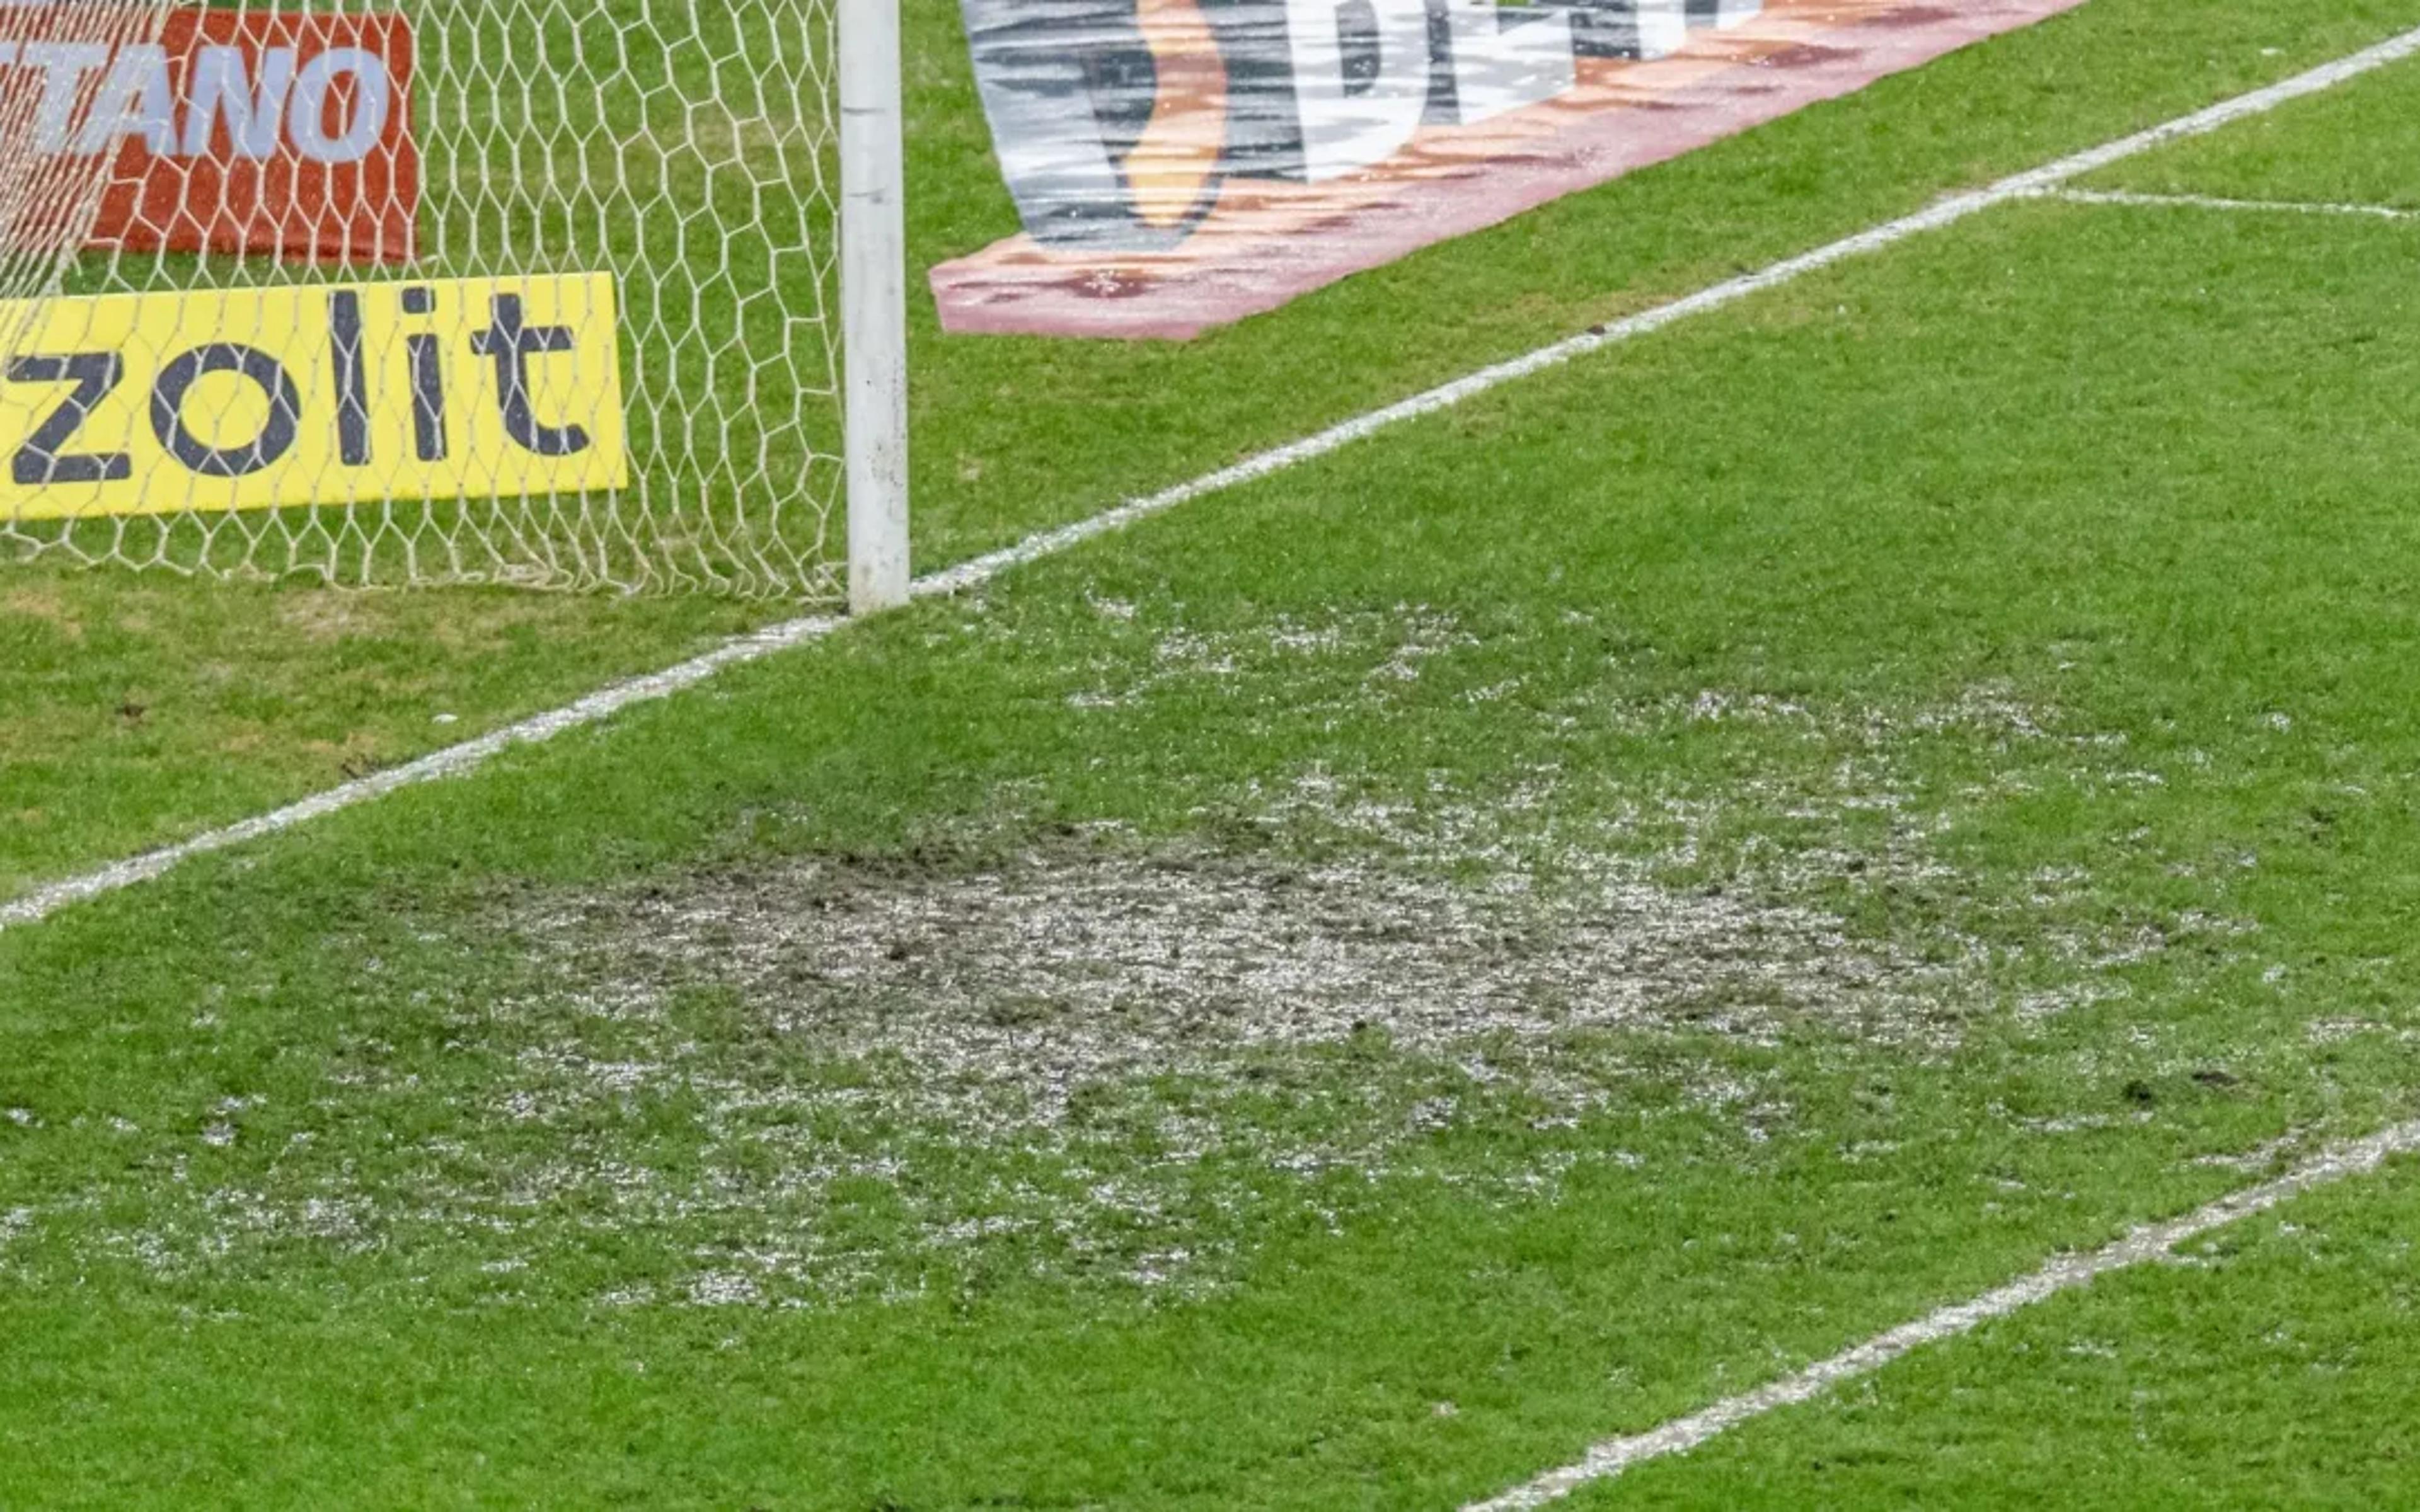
(873, 303)
(584, 294)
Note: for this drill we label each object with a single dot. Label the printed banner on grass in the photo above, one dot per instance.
(153, 404)
(234, 132)
(1182, 163)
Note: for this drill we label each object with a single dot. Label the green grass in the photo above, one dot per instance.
(134, 717)
(2353, 145)
(2021, 619)
(2268, 1370)
(1015, 435)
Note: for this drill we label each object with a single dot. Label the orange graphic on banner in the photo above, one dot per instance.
(1173, 171)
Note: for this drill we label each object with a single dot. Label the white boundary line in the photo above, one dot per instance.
(456, 760)
(2212, 202)
(2152, 1241)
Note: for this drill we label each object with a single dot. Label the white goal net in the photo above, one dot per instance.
(409, 292)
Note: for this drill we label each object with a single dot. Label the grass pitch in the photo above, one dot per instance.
(1349, 993)
(1012, 434)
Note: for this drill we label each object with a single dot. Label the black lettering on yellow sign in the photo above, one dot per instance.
(298, 397)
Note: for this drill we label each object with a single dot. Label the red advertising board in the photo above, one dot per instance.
(229, 132)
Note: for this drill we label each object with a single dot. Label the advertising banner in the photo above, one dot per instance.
(245, 399)
(1182, 163)
(234, 131)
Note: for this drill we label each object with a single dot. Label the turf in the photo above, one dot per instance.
(1013, 434)
(134, 717)
(2267, 1370)
(2352, 146)
(2009, 635)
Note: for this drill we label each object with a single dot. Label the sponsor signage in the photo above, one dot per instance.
(1181, 164)
(237, 131)
(159, 403)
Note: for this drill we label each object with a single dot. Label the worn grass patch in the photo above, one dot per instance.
(1339, 998)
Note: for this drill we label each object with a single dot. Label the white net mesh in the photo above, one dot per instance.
(314, 288)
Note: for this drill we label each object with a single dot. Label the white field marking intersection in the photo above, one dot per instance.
(2154, 1242)
(2213, 202)
(455, 760)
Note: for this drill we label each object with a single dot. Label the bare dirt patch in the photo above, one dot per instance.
(1083, 961)
(1093, 1057)
(45, 605)
(1089, 1055)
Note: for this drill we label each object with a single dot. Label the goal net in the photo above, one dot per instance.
(409, 292)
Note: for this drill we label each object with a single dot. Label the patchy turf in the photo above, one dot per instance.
(1337, 998)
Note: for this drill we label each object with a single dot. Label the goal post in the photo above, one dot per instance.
(571, 294)
(873, 303)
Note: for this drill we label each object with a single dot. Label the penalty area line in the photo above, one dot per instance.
(2152, 1241)
(2213, 202)
(456, 761)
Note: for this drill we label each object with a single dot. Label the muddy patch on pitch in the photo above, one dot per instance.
(1089, 1055)
(1057, 965)
(1095, 1058)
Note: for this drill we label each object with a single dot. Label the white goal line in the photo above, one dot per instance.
(2152, 1241)
(455, 760)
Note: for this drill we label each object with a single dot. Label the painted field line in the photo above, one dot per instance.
(451, 761)
(456, 760)
(2213, 202)
(2152, 1241)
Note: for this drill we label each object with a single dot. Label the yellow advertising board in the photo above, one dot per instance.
(135, 404)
